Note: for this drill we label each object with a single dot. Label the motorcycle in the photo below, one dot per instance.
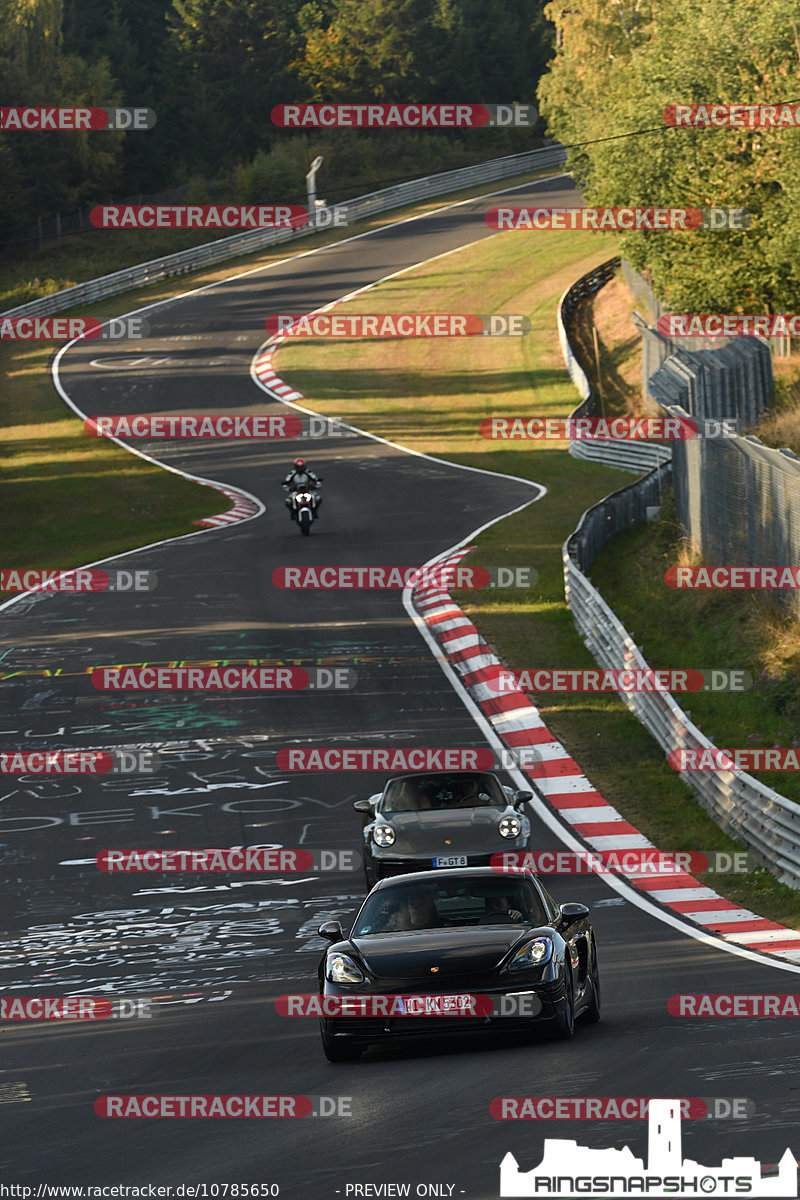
(302, 504)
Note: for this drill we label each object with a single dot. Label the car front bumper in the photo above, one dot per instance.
(387, 866)
(516, 1008)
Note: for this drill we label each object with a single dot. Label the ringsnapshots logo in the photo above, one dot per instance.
(62, 329)
(222, 678)
(79, 762)
(404, 116)
(568, 1169)
(46, 119)
(736, 116)
(620, 220)
(81, 579)
(261, 427)
(398, 325)
(396, 577)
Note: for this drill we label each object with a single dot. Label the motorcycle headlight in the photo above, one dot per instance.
(342, 969)
(383, 835)
(535, 954)
(510, 827)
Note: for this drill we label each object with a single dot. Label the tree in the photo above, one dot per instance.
(231, 58)
(615, 71)
(374, 50)
(51, 171)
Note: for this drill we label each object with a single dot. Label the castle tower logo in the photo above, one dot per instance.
(568, 1169)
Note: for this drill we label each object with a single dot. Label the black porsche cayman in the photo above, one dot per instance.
(452, 951)
(432, 820)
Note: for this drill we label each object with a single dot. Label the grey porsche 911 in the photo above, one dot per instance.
(432, 820)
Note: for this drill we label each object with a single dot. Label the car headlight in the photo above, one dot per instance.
(510, 827)
(383, 835)
(535, 954)
(342, 969)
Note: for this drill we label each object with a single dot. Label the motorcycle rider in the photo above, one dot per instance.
(301, 478)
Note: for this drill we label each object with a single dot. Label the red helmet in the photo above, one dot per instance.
(299, 462)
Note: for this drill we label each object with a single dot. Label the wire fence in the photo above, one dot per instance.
(736, 500)
(657, 348)
(61, 225)
(733, 382)
(738, 503)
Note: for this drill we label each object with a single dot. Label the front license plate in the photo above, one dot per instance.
(450, 860)
(437, 1006)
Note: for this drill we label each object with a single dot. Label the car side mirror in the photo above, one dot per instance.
(332, 931)
(570, 913)
(521, 797)
(363, 806)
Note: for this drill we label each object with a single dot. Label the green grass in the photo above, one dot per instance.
(68, 499)
(431, 395)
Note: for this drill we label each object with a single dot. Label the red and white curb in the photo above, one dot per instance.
(558, 778)
(244, 507)
(262, 366)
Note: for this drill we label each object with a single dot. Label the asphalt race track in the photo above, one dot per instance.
(216, 949)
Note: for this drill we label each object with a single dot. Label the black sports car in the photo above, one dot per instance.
(423, 821)
(451, 937)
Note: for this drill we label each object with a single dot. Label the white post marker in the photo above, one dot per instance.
(311, 182)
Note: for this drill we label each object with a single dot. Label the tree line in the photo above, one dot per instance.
(213, 69)
(616, 67)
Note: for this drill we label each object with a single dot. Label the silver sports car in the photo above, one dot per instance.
(426, 821)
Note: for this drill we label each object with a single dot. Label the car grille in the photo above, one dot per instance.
(386, 869)
(379, 1027)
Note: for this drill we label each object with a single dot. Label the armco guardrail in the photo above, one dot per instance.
(626, 455)
(763, 820)
(257, 239)
(766, 822)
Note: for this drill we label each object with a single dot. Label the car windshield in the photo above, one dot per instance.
(423, 792)
(450, 903)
